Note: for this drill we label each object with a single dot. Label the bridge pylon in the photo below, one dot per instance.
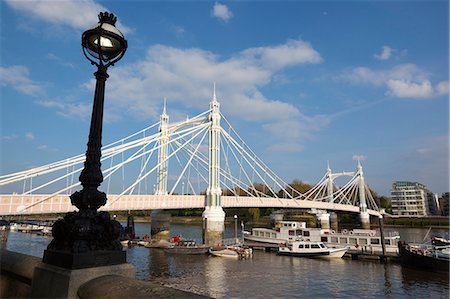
(214, 215)
(160, 219)
(363, 214)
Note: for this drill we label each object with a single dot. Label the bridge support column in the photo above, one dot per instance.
(334, 221)
(324, 219)
(214, 216)
(213, 225)
(276, 217)
(365, 220)
(160, 227)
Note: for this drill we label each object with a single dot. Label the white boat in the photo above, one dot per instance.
(125, 242)
(284, 231)
(224, 252)
(366, 240)
(142, 243)
(311, 249)
(235, 252)
(357, 239)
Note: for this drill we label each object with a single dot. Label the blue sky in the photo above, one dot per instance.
(303, 82)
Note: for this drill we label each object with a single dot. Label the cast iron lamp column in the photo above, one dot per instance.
(90, 238)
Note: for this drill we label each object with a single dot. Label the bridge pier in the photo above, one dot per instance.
(160, 226)
(365, 220)
(334, 221)
(324, 219)
(213, 225)
(276, 217)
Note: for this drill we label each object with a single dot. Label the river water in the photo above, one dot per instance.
(268, 275)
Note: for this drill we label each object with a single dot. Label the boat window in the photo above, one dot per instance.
(315, 246)
(307, 246)
(362, 241)
(352, 240)
(291, 232)
(387, 241)
(273, 235)
(306, 233)
(324, 239)
(374, 241)
(300, 246)
(267, 235)
(299, 232)
(343, 240)
(322, 245)
(334, 240)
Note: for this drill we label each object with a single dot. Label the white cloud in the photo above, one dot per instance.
(221, 11)
(277, 57)
(385, 54)
(69, 110)
(53, 57)
(29, 136)
(9, 137)
(442, 88)
(402, 81)
(80, 14)
(18, 77)
(359, 158)
(46, 148)
(407, 89)
(185, 76)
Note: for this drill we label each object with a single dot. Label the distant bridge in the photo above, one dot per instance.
(220, 164)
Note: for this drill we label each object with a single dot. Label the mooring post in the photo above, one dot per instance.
(383, 245)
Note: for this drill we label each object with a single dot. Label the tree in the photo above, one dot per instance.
(298, 186)
(258, 189)
(385, 203)
(254, 214)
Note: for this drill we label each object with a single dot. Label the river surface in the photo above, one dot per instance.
(268, 275)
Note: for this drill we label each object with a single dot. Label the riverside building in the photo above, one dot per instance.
(413, 199)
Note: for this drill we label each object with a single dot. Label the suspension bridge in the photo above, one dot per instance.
(201, 162)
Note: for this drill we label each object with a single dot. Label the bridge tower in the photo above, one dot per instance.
(363, 213)
(331, 217)
(214, 215)
(160, 228)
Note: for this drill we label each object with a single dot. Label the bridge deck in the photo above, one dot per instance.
(45, 204)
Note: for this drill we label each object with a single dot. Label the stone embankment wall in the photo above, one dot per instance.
(16, 281)
(16, 274)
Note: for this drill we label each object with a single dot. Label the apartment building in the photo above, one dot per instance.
(413, 199)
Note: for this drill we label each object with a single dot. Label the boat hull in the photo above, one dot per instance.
(325, 254)
(417, 260)
(186, 250)
(228, 253)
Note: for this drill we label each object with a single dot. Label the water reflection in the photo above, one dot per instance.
(215, 276)
(159, 265)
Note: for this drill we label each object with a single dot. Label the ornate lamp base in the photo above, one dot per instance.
(89, 259)
(84, 239)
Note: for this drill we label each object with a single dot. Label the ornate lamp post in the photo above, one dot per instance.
(90, 238)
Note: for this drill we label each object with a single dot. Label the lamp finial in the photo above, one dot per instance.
(106, 17)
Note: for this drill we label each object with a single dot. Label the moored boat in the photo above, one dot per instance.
(356, 239)
(187, 247)
(235, 252)
(426, 257)
(311, 249)
(224, 252)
